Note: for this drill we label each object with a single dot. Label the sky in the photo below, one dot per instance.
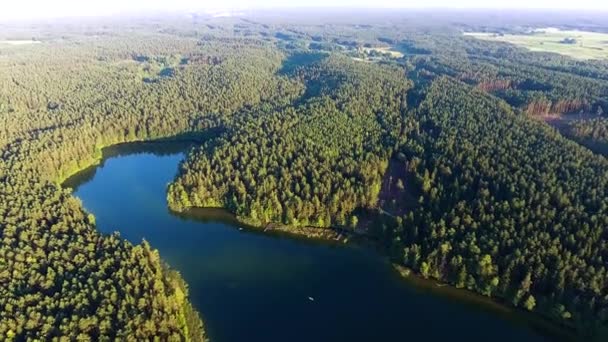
(31, 9)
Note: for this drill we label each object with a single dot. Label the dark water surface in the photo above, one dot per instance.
(251, 286)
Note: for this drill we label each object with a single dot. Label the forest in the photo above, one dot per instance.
(508, 217)
(310, 164)
(59, 105)
(437, 151)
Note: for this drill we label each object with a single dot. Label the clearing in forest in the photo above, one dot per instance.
(383, 50)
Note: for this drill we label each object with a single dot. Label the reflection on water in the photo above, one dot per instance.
(251, 286)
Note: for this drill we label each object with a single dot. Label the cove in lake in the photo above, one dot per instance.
(251, 286)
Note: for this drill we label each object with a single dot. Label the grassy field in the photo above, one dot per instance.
(371, 54)
(576, 44)
(383, 50)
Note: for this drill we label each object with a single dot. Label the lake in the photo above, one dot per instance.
(251, 286)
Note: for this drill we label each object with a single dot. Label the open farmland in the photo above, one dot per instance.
(576, 44)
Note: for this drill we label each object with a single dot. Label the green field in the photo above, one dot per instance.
(384, 50)
(583, 45)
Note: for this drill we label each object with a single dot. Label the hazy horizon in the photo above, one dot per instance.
(41, 9)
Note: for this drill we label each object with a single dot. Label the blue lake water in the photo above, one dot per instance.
(251, 286)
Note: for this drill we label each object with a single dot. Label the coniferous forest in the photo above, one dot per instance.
(435, 146)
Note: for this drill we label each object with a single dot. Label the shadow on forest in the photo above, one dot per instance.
(300, 59)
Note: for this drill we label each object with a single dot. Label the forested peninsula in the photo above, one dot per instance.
(432, 144)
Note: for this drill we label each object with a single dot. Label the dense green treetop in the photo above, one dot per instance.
(507, 207)
(310, 164)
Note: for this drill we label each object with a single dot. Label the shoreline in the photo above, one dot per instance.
(330, 234)
(544, 324)
(99, 155)
(189, 316)
(536, 320)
